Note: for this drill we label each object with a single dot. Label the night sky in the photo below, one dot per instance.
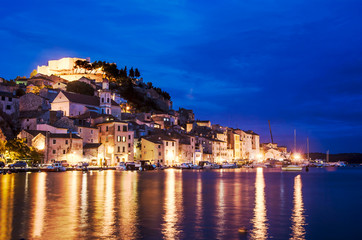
(236, 63)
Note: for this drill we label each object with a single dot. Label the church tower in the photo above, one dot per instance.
(105, 98)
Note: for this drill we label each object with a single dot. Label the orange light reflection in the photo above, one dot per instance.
(298, 219)
(260, 226)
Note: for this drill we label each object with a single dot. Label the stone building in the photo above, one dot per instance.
(117, 141)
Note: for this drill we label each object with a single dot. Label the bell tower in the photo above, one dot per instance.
(105, 100)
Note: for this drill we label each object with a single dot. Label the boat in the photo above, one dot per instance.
(194, 166)
(228, 165)
(121, 166)
(185, 166)
(55, 167)
(292, 168)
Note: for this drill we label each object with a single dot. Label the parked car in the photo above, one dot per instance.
(21, 164)
(2, 164)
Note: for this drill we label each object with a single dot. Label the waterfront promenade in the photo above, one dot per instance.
(178, 204)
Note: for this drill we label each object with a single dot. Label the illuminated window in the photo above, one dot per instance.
(118, 138)
(123, 139)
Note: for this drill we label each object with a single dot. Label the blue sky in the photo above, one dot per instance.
(236, 63)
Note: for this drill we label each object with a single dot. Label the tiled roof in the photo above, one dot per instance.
(7, 94)
(34, 132)
(158, 138)
(91, 145)
(31, 114)
(85, 99)
(63, 135)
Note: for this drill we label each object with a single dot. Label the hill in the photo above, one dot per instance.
(347, 157)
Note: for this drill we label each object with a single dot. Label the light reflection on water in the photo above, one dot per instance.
(260, 225)
(128, 206)
(171, 204)
(39, 205)
(298, 219)
(6, 206)
(220, 207)
(199, 207)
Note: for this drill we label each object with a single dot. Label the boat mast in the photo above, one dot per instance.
(327, 155)
(295, 140)
(271, 135)
(308, 148)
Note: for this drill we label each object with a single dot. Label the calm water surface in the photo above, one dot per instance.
(176, 204)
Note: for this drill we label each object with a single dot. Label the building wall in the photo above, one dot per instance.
(170, 152)
(61, 103)
(151, 151)
(9, 105)
(118, 143)
(28, 123)
(89, 135)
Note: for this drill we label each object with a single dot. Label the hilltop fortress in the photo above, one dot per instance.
(65, 68)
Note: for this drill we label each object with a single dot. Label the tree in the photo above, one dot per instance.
(33, 73)
(131, 73)
(80, 87)
(17, 149)
(137, 73)
(19, 92)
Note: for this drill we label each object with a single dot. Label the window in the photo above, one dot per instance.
(173, 144)
(8, 107)
(66, 141)
(3, 98)
(166, 143)
(118, 138)
(124, 149)
(107, 129)
(63, 151)
(54, 141)
(119, 128)
(10, 99)
(129, 137)
(129, 145)
(159, 146)
(123, 139)
(107, 100)
(118, 149)
(159, 153)
(107, 111)
(80, 130)
(124, 128)
(102, 100)
(54, 151)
